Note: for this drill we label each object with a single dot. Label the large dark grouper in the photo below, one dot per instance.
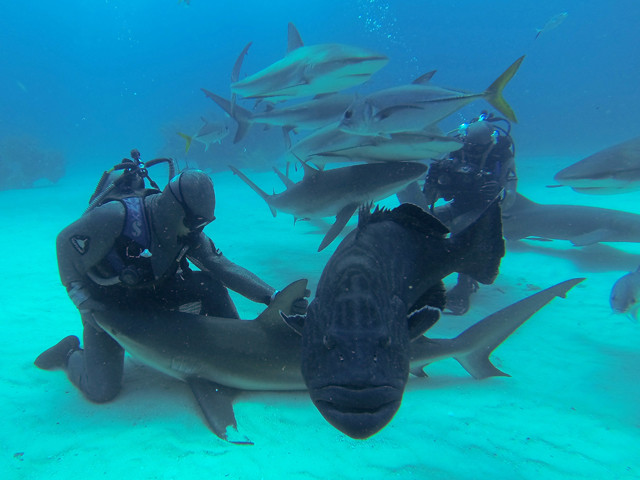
(381, 289)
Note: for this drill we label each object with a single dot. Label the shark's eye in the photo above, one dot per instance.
(348, 114)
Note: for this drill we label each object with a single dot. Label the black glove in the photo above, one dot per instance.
(489, 190)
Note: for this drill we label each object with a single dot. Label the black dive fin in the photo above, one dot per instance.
(215, 402)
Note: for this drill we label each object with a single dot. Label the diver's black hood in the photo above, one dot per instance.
(188, 193)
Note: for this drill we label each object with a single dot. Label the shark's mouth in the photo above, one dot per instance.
(357, 412)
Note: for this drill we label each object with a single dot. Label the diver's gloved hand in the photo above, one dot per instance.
(299, 305)
(489, 191)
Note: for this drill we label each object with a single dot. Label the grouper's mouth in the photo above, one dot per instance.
(357, 412)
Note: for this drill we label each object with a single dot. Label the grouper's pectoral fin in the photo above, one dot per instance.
(216, 404)
(341, 220)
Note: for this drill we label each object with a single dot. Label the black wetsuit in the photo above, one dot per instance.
(86, 250)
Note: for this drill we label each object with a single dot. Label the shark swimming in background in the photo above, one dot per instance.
(337, 192)
(210, 132)
(581, 225)
(330, 144)
(625, 295)
(310, 70)
(379, 293)
(409, 108)
(310, 115)
(615, 169)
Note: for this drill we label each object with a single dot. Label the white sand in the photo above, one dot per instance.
(570, 409)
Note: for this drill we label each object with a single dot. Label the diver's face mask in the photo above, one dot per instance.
(194, 193)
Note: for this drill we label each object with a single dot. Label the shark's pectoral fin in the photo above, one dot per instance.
(341, 220)
(215, 402)
(590, 238)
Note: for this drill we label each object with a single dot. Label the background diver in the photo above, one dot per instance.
(469, 179)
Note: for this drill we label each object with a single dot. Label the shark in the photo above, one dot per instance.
(310, 70)
(330, 144)
(412, 107)
(625, 295)
(308, 115)
(219, 358)
(581, 225)
(210, 132)
(616, 169)
(337, 192)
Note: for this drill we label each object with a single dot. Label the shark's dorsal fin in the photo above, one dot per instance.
(283, 301)
(308, 170)
(235, 73)
(294, 39)
(283, 178)
(426, 78)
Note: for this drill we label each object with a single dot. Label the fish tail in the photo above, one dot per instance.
(481, 246)
(474, 345)
(239, 114)
(255, 188)
(188, 139)
(493, 94)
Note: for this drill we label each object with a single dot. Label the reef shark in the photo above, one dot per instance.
(330, 144)
(221, 357)
(409, 108)
(581, 225)
(310, 70)
(615, 169)
(337, 192)
(309, 115)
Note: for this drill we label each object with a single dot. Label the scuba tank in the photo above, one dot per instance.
(127, 179)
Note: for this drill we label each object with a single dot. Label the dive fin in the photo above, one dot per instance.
(216, 404)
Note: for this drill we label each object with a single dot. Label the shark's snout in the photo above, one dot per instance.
(357, 412)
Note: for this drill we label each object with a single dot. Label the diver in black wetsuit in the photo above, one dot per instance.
(469, 179)
(134, 254)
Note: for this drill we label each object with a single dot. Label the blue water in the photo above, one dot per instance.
(105, 76)
(93, 79)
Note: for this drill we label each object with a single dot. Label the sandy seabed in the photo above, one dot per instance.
(569, 410)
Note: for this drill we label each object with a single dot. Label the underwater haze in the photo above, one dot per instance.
(85, 82)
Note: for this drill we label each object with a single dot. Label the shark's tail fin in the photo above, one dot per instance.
(480, 246)
(479, 340)
(188, 139)
(240, 115)
(473, 347)
(493, 94)
(255, 188)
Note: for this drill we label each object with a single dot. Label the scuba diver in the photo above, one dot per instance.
(469, 179)
(131, 250)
